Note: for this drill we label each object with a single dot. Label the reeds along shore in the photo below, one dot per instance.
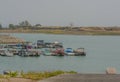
(65, 30)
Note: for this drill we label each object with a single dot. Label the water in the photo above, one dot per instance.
(101, 52)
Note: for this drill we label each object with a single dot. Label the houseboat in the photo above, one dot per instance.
(29, 53)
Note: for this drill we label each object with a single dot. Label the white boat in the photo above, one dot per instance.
(6, 52)
(30, 52)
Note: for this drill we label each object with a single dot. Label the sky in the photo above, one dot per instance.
(61, 12)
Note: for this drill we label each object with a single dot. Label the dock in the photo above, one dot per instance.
(7, 39)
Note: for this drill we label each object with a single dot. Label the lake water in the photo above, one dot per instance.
(101, 52)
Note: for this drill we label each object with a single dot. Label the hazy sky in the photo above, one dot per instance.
(61, 12)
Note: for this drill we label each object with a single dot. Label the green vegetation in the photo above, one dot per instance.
(11, 26)
(43, 75)
(35, 75)
(13, 74)
(0, 26)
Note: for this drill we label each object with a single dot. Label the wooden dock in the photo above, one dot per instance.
(111, 70)
(7, 39)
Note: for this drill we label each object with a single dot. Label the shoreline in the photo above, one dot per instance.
(62, 32)
(70, 78)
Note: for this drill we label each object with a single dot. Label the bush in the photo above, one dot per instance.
(43, 75)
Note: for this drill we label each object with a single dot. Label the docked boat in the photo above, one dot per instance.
(57, 44)
(34, 52)
(80, 52)
(69, 52)
(28, 53)
(14, 51)
(47, 52)
(42, 44)
(23, 53)
(77, 52)
(58, 52)
(6, 52)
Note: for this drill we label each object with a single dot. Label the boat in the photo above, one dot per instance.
(23, 53)
(34, 52)
(57, 44)
(6, 52)
(79, 52)
(14, 51)
(47, 52)
(69, 52)
(40, 43)
(29, 53)
(58, 52)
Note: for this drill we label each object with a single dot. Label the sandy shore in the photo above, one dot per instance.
(84, 78)
(72, 78)
(83, 31)
(17, 80)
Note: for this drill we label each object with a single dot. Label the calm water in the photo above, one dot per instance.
(102, 52)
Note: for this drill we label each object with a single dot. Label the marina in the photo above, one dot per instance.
(101, 53)
(11, 46)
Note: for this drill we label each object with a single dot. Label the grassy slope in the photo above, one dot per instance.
(34, 75)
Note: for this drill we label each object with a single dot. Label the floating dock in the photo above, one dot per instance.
(7, 39)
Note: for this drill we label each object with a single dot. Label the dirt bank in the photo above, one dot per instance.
(84, 78)
(17, 80)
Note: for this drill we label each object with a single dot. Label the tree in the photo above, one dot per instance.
(71, 25)
(11, 26)
(24, 24)
(0, 26)
(27, 23)
(38, 25)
